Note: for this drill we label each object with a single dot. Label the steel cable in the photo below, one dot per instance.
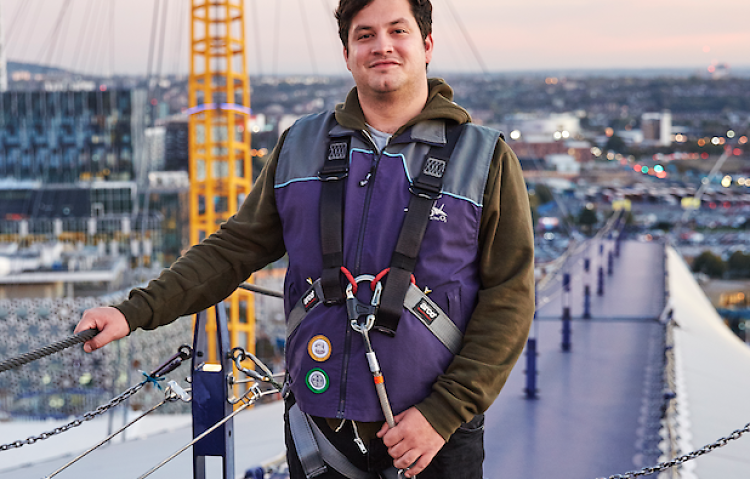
(53, 348)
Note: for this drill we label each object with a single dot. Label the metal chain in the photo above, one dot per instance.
(78, 421)
(53, 348)
(685, 458)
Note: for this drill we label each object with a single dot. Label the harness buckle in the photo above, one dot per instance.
(424, 191)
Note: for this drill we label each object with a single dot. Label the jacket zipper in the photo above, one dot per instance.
(357, 264)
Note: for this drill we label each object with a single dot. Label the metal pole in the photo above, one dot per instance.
(566, 313)
(610, 263)
(531, 355)
(587, 302)
(600, 282)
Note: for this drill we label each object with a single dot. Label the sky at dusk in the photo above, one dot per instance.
(299, 36)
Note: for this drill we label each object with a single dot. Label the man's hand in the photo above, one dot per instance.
(413, 440)
(110, 322)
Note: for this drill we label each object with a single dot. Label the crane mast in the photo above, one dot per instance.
(219, 139)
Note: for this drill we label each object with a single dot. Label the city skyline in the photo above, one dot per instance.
(503, 36)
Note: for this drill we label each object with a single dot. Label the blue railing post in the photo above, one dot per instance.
(600, 282)
(210, 401)
(586, 265)
(566, 313)
(587, 302)
(610, 263)
(617, 244)
(531, 355)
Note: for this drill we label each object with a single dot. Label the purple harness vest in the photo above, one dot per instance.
(329, 375)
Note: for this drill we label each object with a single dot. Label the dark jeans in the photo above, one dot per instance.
(460, 458)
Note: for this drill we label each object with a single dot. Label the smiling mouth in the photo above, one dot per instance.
(383, 64)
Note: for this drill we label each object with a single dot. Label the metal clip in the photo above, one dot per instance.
(356, 309)
(178, 391)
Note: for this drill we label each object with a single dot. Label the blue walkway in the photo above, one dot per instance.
(590, 418)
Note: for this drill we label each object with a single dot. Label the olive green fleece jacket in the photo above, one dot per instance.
(497, 330)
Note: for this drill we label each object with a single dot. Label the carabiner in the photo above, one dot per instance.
(357, 309)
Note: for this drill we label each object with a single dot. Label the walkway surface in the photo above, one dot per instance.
(588, 419)
(259, 437)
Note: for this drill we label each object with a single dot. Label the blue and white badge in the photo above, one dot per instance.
(317, 381)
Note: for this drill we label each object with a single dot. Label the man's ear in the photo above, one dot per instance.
(428, 46)
(346, 58)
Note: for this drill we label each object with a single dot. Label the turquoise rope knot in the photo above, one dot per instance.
(151, 379)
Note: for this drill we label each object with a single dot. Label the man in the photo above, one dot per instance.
(396, 132)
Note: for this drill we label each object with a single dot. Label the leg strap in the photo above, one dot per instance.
(315, 450)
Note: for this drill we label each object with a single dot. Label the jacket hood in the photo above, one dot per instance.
(439, 106)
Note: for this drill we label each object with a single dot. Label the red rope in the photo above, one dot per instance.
(350, 278)
(382, 274)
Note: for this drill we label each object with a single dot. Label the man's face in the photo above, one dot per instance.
(386, 52)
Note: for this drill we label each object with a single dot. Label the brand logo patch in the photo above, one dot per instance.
(310, 300)
(426, 311)
(338, 151)
(319, 348)
(434, 167)
(437, 214)
(317, 381)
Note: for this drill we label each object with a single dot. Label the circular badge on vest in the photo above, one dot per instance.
(319, 348)
(317, 381)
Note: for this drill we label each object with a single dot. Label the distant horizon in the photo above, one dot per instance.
(743, 70)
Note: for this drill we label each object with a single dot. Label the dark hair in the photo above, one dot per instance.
(348, 9)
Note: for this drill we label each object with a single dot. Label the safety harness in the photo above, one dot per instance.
(388, 302)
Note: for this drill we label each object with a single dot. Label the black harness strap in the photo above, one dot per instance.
(425, 190)
(334, 172)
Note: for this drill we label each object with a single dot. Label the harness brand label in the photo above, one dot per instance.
(426, 311)
(310, 300)
(317, 381)
(319, 348)
(437, 214)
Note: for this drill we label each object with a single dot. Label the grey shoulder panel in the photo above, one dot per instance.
(303, 152)
(470, 163)
(468, 167)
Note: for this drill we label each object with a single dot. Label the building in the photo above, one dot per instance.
(657, 128)
(68, 136)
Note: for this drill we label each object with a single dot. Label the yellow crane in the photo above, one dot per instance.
(219, 139)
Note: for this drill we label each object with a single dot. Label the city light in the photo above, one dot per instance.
(515, 135)
(730, 134)
(741, 181)
(715, 140)
(658, 168)
(701, 142)
(609, 132)
(742, 140)
(566, 134)
(737, 152)
(644, 169)
(726, 182)
(680, 138)
(596, 151)
(557, 135)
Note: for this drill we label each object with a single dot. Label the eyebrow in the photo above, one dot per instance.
(360, 28)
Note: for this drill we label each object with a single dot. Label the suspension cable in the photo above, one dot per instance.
(82, 35)
(306, 26)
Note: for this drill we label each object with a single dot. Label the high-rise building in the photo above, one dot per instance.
(657, 128)
(69, 136)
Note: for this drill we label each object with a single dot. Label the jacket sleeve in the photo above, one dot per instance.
(499, 326)
(212, 270)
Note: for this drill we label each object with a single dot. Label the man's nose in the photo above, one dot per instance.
(382, 45)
